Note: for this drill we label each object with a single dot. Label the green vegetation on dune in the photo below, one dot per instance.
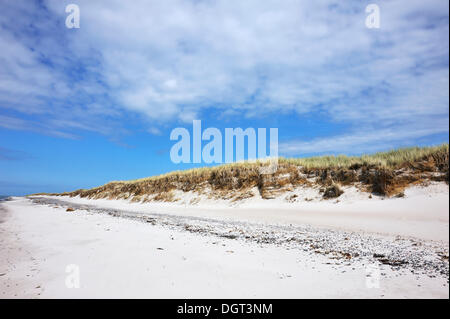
(390, 159)
(385, 173)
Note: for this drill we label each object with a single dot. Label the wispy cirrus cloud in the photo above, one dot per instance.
(358, 142)
(13, 155)
(19, 124)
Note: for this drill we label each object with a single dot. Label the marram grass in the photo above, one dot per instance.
(390, 159)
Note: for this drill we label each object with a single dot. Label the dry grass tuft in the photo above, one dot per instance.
(385, 173)
(332, 191)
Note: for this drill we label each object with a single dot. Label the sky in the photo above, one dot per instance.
(83, 106)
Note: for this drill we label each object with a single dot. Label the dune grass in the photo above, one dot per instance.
(390, 159)
(372, 172)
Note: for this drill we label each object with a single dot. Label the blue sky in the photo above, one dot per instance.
(81, 107)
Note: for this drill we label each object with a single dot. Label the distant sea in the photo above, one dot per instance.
(3, 197)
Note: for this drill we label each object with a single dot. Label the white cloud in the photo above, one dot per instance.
(154, 131)
(171, 84)
(174, 60)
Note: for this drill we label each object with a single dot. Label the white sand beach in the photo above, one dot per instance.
(357, 248)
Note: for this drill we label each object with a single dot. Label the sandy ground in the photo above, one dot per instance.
(423, 212)
(47, 252)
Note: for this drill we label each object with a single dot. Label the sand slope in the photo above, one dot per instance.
(423, 213)
(119, 257)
